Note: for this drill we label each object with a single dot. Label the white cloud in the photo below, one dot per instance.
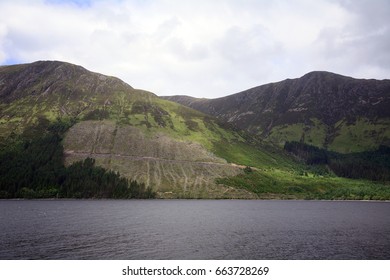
(201, 48)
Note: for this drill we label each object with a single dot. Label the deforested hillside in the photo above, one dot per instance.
(66, 132)
(166, 146)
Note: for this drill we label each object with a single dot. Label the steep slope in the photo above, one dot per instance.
(176, 150)
(42, 78)
(175, 168)
(321, 108)
(54, 113)
(46, 90)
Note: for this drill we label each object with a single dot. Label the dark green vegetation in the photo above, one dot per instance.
(371, 165)
(68, 132)
(33, 168)
(162, 144)
(283, 184)
(322, 109)
(335, 126)
(321, 175)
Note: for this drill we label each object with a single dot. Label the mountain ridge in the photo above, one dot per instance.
(60, 125)
(159, 143)
(328, 101)
(57, 73)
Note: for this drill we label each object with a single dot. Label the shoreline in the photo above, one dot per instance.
(175, 199)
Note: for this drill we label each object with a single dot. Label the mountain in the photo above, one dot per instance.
(323, 109)
(70, 133)
(177, 151)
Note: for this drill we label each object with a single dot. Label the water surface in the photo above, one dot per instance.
(193, 229)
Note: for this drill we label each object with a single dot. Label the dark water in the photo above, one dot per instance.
(194, 229)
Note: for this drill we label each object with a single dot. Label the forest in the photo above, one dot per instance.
(371, 165)
(32, 166)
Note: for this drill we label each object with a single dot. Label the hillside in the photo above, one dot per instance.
(68, 132)
(175, 150)
(323, 109)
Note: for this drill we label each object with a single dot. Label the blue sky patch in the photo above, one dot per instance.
(81, 3)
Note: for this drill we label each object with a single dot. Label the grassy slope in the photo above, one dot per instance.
(278, 177)
(283, 184)
(313, 134)
(152, 116)
(173, 168)
(274, 174)
(360, 136)
(344, 137)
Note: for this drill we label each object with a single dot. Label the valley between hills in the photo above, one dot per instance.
(66, 132)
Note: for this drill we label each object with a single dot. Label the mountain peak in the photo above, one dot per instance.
(324, 75)
(321, 73)
(54, 77)
(324, 105)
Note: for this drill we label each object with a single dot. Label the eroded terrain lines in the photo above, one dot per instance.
(112, 144)
(202, 163)
(97, 137)
(185, 178)
(157, 173)
(148, 173)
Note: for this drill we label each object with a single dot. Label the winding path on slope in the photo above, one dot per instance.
(130, 157)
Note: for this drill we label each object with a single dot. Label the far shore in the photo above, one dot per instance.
(208, 199)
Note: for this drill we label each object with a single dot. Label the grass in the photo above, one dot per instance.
(274, 172)
(281, 184)
(181, 172)
(280, 134)
(316, 134)
(277, 176)
(182, 124)
(360, 136)
(250, 155)
(313, 134)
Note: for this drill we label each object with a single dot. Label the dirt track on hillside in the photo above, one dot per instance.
(175, 169)
(130, 157)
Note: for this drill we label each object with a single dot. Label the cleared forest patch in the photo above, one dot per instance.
(175, 169)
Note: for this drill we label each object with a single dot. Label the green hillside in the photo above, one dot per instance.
(169, 147)
(323, 109)
(176, 151)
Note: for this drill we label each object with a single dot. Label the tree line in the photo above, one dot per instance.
(32, 167)
(371, 165)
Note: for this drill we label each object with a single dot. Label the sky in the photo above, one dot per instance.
(201, 48)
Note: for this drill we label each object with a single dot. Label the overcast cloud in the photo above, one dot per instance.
(203, 48)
